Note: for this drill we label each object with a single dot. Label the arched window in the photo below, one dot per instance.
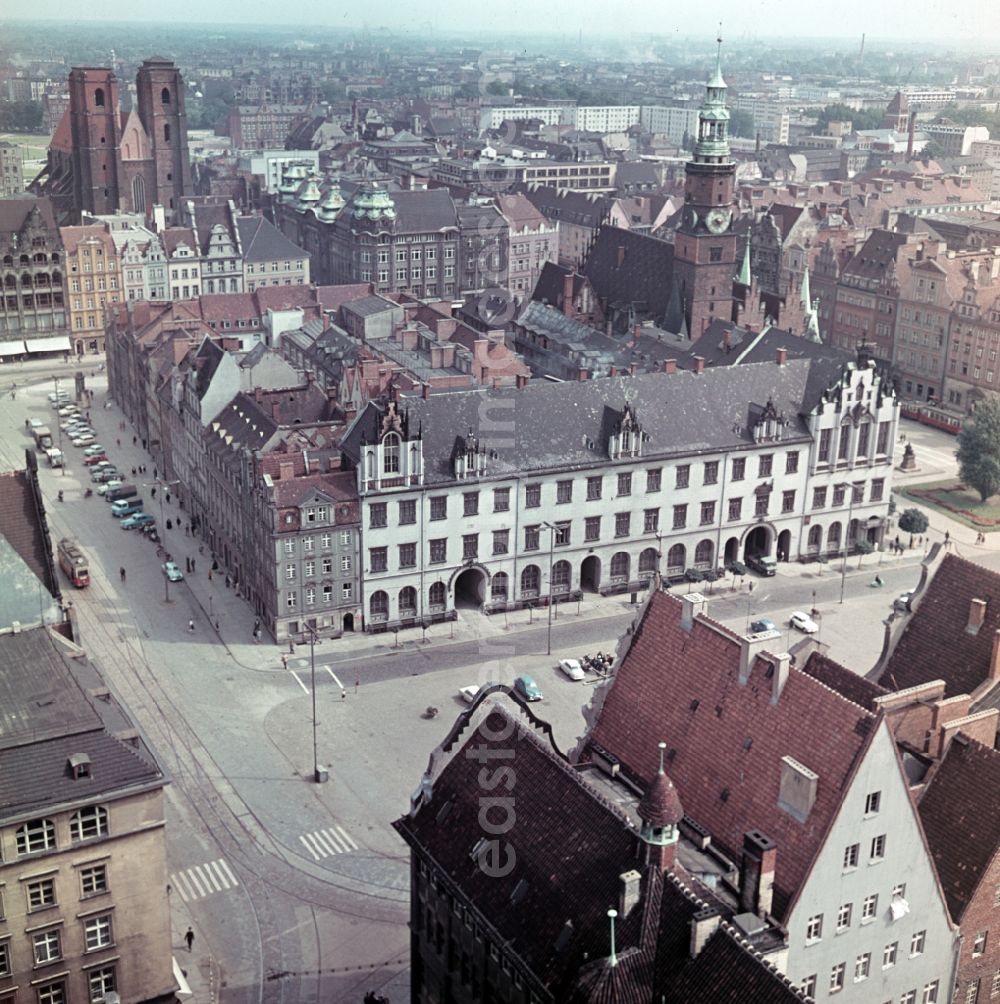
(815, 537)
(55, 259)
(56, 278)
(379, 604)
(436, 595)
(88, 823)
(139, 194)
(648, 561)
(99, 97)
(530, 579)
(166, 132)
(10, 281)
(620, 563)
(703, 553)
(36, 835)
(498, 587)
(42, 279)
(165, 95)
(390, 454)
(8, 261)
(833, 537)
(676, 557)
(407, 602)
(560, 577)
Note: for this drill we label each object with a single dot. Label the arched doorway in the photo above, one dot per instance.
(815, 543)
(732, 551)
(784, 545)
(590, 573)
(758, 542)
(348, 622)
(676, 557)
(470, 589)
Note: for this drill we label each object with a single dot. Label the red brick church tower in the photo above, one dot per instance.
(705, 244)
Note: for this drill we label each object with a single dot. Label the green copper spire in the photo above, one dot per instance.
(713, 118)
(744, 277)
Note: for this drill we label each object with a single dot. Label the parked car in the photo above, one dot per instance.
(36, 423)
(109, 474)
(93, 450)
(803, 622)
(468, 694)
(762, 624)
(137, 519)
(108, 486)
(762, 564)
(85, 440)
(528, 689)
(95, 459)
(572, 668)
(95, 473)
(902, 602)
(171, 571)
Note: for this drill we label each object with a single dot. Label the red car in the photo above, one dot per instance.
(95, 459)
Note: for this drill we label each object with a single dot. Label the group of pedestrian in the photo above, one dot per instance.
(980, 538)
(256, 631)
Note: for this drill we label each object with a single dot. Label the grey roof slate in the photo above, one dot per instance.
(369, 305)
(558, 426)
(424, 211)
(263, 241)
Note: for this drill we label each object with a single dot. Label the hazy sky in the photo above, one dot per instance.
(880, 19)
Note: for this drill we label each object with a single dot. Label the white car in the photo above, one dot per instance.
(803, 622)
(85, 440)
(107, 486)
(572, 668)
(468, 694)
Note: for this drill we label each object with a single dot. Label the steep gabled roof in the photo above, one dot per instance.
(935, 644)
(727, 740)
(849, 684)
(24, 526)
(626, 267)
(263, 241)
(961, 819)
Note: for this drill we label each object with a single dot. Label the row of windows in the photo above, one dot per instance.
(40, 894)
(325, 594)
(862, 970)
(101, 981)
(839, 494)
(320, 514)
(862, 445)
(38, 835)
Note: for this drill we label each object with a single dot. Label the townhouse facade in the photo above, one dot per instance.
(544, 492)
(94, 273)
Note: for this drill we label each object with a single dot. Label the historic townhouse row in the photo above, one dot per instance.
(506, 498)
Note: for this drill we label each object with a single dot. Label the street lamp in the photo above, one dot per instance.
(849, 485)
(320, 775)
(62, 466)
(551, 527)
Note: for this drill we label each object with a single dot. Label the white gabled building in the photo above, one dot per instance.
(502, 498)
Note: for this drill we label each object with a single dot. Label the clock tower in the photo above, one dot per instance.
(705, 244)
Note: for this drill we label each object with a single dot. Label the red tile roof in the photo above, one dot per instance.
(23, 523)
(727, 740)
(961, 820)
(935, 644)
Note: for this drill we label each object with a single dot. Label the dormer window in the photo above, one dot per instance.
(79, 765)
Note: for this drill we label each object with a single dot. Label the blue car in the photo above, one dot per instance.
(764, 624)
(527, 688)
(137, 519)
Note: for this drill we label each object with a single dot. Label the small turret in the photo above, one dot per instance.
(661, 813)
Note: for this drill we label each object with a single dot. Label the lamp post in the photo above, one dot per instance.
(849, 485)
(320, 775)
(62, 466)
(551, 527)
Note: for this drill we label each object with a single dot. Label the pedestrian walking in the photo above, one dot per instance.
(192, 564)
(153, 493)
(168, 498)
(191, 626)
(228, 581)
(119, 441)
(154, 473)
(284, 661)
(256, 624)
(133, 440)
(133, 472)
(357, 683)
(121, 573)
(257, 636)
(170, 525)
(189, 938)
(210, 575)
(144, 444)
(216, 625)
(947, 537)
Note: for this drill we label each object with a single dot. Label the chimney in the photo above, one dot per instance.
(757, 873)
(636, 331)
(751, 645)
(258, 394)
(781, 357)
(522, 381)
(583, 374)
(779, 675)
(613, 371)
(286, 470)
(995, 657)
(699, 364)
(309, 378)
(634, 369)
(977, 614)
(669, 365)
(568, 309)
(621, 255)
(629, 892)
(704, 924)
(425, 391)
(725, 340)
(692, 604)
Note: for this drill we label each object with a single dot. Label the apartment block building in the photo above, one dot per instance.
(94, 276)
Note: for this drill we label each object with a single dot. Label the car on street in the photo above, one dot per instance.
(803, 622)
(95, 459)
(137, 519)
(93, 450)
(85, 440)
(70, 409)
(902, 602)
(762, 564)
(468, 694)
(36, 423)
(95, 473)
(107, 486)
(762, 624)
(109, 474)
(527, 688)
(572, 668)
(171, 571)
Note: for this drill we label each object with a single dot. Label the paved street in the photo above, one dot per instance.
(298, 891)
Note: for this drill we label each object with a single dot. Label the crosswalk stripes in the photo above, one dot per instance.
(324, 843)
(204, 880)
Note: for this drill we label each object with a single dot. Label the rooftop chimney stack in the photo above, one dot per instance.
(703, 925)
(781, 665)
(692, 604)
(781, 357)
(669, 365)
(977, 615)
(995, 657)
(699, 364)
(757, 873)
(567, 306)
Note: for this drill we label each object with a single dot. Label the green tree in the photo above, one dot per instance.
(497, 87)
(864, 119)
(20, 116)
(913, 521)
(741, 124)
(978, 450)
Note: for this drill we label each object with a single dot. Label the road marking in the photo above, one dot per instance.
(298, 681)
(334, 675)
(203, 880)
(324, 843)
